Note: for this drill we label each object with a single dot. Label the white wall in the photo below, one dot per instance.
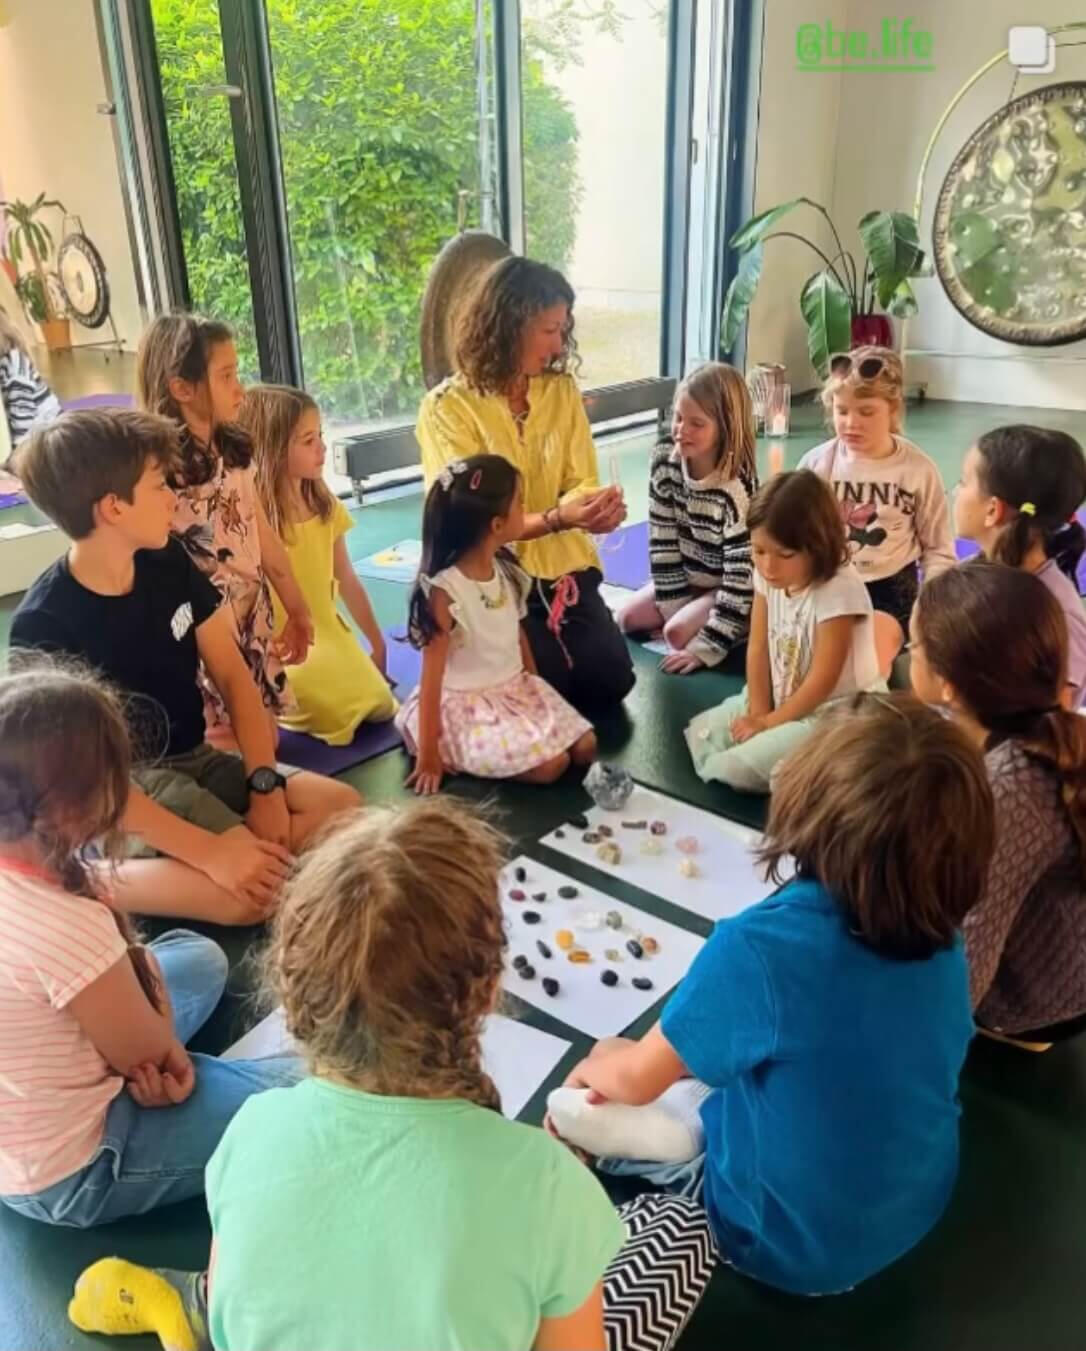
(52, 139)
(796, 156)
(618, 93)
(879, 151)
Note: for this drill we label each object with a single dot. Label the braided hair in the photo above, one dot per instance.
(386, 951)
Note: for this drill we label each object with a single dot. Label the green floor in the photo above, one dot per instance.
(1004, 1268)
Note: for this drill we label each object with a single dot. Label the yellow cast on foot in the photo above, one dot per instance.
(117, 1297)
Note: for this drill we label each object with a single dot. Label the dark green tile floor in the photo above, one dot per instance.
(1004, 1268)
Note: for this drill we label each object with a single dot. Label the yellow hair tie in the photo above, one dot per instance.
(1028, 509)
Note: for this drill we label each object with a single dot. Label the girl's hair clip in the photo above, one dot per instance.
(1028, 509)
(445, 478)
(476, 479)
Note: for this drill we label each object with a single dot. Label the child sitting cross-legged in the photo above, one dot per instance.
(829, 1023)
(103, 1112)
(214, 831)
(386, 1202)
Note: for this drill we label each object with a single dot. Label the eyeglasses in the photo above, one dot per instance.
(867, 369)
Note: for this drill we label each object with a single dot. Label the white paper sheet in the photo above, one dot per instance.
(517, 1057)
(728, 881)
(583, 1001)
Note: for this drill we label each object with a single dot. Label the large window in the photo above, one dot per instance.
(321, 152)
(196, 98)
(383, 123)
(594, 80)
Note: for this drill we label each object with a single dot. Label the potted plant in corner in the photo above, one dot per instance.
(31, 239)
(837, 303)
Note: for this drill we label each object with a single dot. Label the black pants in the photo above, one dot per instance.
(1073, 1027)
(896, 595)
(601, 673)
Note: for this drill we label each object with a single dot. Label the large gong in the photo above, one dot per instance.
(1009, 235)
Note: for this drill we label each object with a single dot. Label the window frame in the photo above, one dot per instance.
(254, 121)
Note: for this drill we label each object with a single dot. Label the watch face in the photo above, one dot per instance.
(264, 780)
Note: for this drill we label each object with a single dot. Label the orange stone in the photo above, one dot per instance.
(564, 939)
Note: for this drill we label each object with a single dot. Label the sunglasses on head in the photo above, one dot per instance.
(867, 369)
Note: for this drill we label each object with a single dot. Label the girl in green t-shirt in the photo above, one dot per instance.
(385, 1201)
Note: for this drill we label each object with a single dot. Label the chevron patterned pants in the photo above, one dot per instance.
(658, 1277)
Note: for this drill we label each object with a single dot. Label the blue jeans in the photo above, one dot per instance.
(151, 1156)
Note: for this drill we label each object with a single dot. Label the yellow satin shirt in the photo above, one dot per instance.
(553, 450)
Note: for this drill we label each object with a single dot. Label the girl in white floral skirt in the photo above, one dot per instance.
(480, 708)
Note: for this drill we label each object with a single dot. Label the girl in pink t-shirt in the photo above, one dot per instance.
(1019, 491)
(92, 1024)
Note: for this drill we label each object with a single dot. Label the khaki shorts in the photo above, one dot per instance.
(206, 787)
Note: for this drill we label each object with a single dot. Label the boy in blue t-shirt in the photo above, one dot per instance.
(832, 1019)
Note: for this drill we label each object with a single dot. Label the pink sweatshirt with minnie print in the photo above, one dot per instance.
(895, 508)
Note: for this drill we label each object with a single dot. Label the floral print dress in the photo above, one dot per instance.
(216, 521)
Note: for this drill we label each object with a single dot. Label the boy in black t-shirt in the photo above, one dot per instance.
(127, 600)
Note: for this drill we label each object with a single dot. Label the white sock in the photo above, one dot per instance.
(668, 1130)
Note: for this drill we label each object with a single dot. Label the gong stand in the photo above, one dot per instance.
(84, 287)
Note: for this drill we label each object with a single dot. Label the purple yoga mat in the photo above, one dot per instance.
(307, 752)
(98, 401)
(624, 556)
(404, 663)
(372, 738)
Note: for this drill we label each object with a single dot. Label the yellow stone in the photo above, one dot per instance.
(564, 939)
(579, 955)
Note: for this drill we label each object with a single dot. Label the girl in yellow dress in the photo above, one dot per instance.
(339, 685)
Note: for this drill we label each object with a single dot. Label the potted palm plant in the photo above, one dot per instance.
(837, 301)
(31, 240)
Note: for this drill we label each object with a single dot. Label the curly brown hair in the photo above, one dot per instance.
(512, 292)
(386, 952)
(876, 805)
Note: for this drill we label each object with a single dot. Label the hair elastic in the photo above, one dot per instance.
(1028, 509)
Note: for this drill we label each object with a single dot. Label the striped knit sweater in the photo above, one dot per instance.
(26, 397)
(698, 542)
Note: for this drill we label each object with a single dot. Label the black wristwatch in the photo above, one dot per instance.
(265, 780)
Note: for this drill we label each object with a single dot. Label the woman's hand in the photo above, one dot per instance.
(681, 662)
(599, 513)
(428, 772)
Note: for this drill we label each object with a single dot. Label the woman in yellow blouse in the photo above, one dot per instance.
(512, 395)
